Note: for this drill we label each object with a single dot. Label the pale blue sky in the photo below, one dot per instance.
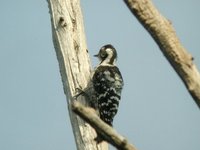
(156, 111)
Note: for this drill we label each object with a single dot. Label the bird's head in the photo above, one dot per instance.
(107, 54)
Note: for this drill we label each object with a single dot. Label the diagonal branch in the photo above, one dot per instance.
(107, 132)
(164, 35)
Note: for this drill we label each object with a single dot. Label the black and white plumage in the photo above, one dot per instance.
(107, 82)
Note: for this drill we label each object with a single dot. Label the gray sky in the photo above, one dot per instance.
(156, 111)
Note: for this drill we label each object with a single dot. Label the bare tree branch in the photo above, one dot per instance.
(164, 35)
(75, 69)
(107, 132)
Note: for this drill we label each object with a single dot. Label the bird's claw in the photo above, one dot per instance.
(79, 92)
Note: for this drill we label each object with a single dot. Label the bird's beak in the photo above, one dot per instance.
(96, 55)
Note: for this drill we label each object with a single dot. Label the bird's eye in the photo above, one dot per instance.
(103, 54)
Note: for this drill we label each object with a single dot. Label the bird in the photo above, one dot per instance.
(107, 83)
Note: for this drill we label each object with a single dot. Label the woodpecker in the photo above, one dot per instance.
(108, 83)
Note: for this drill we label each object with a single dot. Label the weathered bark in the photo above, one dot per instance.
(75, 69)
(164, 35)
(107, 132)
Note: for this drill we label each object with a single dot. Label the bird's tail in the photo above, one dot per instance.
(99, 138)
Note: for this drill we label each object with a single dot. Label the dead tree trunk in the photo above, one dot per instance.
(75, 69)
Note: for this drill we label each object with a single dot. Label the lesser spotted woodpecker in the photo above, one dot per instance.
(107, 82)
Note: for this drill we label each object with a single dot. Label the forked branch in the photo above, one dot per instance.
(107, 132)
